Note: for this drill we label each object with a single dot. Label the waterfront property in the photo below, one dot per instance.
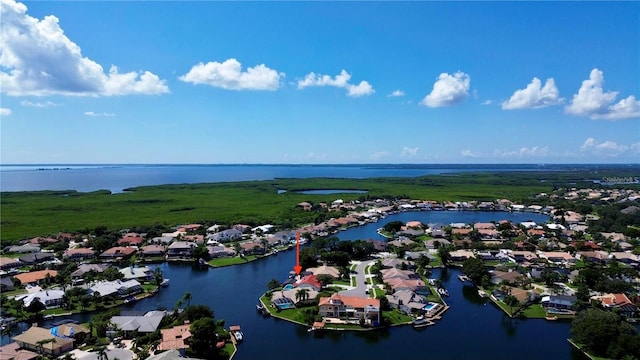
(43, 342)
(355, 309)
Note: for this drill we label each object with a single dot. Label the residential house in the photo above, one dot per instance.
(6, 284)
(162, 240)
(23, 249)
(564, 302)
(397, 263)
(627, 258)
(118, 252)
(86, 268)
(598, 256)
(12, 351)
(9, 263)
(351, 307)
(505, 277)
(116, 288)
(131, 239)
(176, 338)
(36, 258)
(79, 254)
(71, 330)
(253, 248)
(37, 339)
(305, 206)
(461, 255)
(226, 235)
(557, 257)
(309, 281)
(406, 299)
(152, 250)
(143, 324)
(416, 285)
(34, 277)
(50, 298)
(395, 273)
(325, 270)
(143, 273)
(523, 256)
(180, 249)
(620, 302)
(220, 251)
(198, 239)
(436, 243)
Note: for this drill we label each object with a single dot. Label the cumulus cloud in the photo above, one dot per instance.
(448, 90)
(592, 101)
(409, 152)
(396, 93)
(340, 81)
(37, 58)
(608, 148)
(43, 104)
(534, 96)
(230, 75)
(5, 111)
(487, 102)
(94, 114)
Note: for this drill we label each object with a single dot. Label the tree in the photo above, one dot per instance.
(393, 226)
(273, 284)
(203, 343)
(36, 306)
(603, 333)
(474, 268)
(200, 252)
(158, 276)
(511, 301)
(445, 255)
(187, 298)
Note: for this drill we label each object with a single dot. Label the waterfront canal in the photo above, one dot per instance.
(472, 328)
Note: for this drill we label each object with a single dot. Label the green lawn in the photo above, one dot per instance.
(592, 357)
(394, 317)
(535, 311)
(228, 261)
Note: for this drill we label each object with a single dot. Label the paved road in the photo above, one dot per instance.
(361, 288)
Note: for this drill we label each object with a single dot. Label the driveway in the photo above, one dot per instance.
(361, 288)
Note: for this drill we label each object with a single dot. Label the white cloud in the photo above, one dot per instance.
(37, 58)
(396, 93)
(535, 151)
(340, 81)
(469, 153)
(534, 96)
(592, 101)
(94, 114)
(5, 111)
(487, 102)
(44, 104)
(409, 152)
(608, 148)
(448, 90)
(230, 75)
(380, 155)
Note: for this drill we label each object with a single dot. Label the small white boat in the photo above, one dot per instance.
(165, 282)
(238, 336)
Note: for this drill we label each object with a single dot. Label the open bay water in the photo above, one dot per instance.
(116, 178)
(473, 328)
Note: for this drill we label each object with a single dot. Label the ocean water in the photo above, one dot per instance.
(116, 178)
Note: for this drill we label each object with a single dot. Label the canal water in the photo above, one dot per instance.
(471, 329)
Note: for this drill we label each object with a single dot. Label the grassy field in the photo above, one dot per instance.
(228, 261)
(29, 214)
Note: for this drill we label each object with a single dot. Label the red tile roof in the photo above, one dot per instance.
(34, 276)
(309, 280)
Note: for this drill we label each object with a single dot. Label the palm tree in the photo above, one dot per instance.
(302, 294)
(187, 298)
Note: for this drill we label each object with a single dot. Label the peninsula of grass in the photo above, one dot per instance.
(590, 356)
(37, 213)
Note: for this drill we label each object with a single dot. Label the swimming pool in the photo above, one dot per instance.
(430, 306)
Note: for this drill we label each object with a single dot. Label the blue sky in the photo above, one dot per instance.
(318, 82)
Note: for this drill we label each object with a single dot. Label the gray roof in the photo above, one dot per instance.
(85, 268)
(36, 257)
(172, 354)
(146, 324)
